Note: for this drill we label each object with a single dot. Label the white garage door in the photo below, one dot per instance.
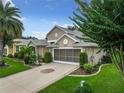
(67, 55)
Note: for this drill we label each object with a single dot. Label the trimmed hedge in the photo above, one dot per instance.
(88, 68)
(48, 57)
(83, 59)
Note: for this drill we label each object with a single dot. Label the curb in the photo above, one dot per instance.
(90, 74)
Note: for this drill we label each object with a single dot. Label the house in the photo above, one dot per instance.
(65, 44)
(38, 45)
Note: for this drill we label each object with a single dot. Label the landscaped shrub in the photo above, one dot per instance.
(84, 89)
(20, 56)
(106, 59)
(88, 68)
(39, 58)
(32, 58)
(83, 59)
(10, 55)
(43, 59)
(27, 51)
(26, 59)
(16, 55)
(48, 57)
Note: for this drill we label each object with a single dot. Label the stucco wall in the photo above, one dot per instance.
(69, 44)
(51, 35)
(91, 51)
(41, 50)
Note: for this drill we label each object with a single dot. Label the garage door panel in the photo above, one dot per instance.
(76, 60)
(62, 52)
(69, 52)
(62, 59)
(69, 59)
(77, 52)
(67, 55)
(56, 52)
(56, 57)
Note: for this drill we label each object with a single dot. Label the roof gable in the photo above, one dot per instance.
(31, 43)
(68, 37)
(75, 33)
(55, 28)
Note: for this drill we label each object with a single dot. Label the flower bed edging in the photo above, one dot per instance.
(90, 74)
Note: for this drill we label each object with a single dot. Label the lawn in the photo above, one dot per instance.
(107, 81)
(15, 66)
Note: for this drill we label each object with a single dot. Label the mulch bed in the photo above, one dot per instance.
(81, 71)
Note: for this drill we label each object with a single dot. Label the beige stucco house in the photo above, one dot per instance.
(64, 44)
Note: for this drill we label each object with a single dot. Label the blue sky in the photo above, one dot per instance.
(39, 16)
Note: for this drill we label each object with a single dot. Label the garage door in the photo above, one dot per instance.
(67, 55)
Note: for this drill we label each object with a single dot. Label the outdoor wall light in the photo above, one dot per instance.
(82, 83)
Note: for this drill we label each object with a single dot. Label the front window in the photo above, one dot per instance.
(17, 48)
(51, 42)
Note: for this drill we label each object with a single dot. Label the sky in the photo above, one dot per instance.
(40, 16)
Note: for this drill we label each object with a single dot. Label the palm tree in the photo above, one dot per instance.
(10, 24)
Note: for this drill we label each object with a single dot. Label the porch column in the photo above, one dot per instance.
(36, 51)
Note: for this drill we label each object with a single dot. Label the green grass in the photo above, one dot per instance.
(14, 67)
(108, 81)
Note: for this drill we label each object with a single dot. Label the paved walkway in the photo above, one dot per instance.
(35, 79)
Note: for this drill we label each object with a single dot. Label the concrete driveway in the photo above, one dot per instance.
(35, 79)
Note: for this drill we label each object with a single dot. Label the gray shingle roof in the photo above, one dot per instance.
(39, 42)
(85, 44)
(53, 46)
(75, 33)
(27, 41)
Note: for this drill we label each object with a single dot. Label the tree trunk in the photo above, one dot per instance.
(1, 49)
(118, 60)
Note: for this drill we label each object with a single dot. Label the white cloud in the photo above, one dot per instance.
(66, 25)
(42, 35)
(39, 35)
(55, 23)
(40, 27)
(61, 24)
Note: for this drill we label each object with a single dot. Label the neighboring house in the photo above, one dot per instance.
(38, 45)
(64, 44)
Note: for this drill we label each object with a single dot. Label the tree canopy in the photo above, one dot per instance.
(102, 21)
(10, 25)
(9, 21)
